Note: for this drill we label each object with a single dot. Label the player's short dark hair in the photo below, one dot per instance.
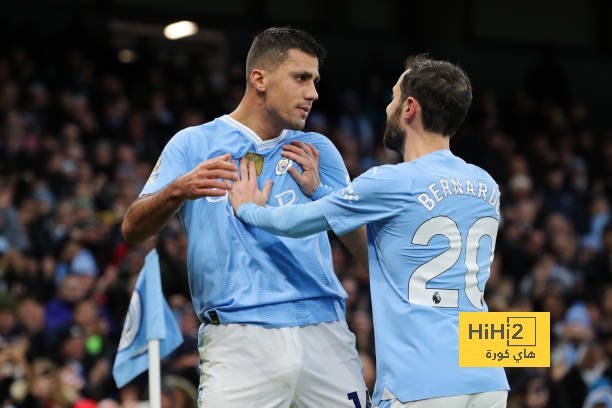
(269, 47)
(443, 91)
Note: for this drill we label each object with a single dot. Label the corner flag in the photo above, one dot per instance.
(142, 332)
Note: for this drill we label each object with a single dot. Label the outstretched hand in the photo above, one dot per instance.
(307, 156)
(245, 190)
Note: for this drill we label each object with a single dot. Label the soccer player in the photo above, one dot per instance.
(274, 332)
(431, 224)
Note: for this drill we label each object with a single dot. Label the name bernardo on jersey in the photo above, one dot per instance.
(443, 188)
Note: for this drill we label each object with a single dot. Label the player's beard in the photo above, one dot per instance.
(287, 122)
(298, 124)
(394, 136)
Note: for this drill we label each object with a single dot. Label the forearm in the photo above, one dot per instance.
(356, 242)
(149, 214)
(295, 221)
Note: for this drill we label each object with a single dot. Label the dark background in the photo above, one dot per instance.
(80, 132)
(499, 43)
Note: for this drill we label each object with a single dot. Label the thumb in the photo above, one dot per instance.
(223, 157)
(266, 189)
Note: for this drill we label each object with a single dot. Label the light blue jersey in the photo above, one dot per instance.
(239, 273)
(432, 224)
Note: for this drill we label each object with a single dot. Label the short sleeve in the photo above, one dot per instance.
(172, 163)
(376, 195)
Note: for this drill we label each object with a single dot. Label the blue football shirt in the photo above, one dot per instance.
(239, 273)
(432, 225)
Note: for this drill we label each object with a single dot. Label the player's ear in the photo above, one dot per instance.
(410, 108)
(256, 79)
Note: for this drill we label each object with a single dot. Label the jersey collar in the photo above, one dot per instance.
(261, 144)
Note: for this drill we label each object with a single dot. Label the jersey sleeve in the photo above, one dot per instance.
(332, 171)
(374, 196)
(295, 221)
(172, 163)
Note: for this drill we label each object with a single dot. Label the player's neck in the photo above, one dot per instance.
(424, 143)
(252, 115)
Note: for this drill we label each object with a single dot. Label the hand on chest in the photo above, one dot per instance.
(285, 190)
(271, 165)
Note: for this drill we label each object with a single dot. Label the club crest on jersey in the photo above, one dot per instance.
(283, 165)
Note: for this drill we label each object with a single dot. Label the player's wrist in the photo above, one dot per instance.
(320, 192)
(177, 191)
(242, 208)
(308, 190)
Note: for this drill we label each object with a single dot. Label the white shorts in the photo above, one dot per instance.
(490, 399)
(312, 366)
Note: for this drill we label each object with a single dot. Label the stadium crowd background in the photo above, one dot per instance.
(80, 133)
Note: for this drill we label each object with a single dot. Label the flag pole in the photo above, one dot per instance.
(154, 374)
(149, 324)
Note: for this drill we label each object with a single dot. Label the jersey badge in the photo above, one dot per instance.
(257, 159)
(283, 165)
(155, 172)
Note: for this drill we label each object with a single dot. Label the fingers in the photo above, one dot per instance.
(266, 190)
(209, 192)
(222, 174)
(305, 147)
(304, 162)
(307, 154)
(223, 157)
(295, 174)
(219, 162)
(213, 188)
(212, 183)
(252, 173)
(314, 150)
(244, 174)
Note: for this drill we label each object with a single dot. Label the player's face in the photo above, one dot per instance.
(394, 134)
(291, 89)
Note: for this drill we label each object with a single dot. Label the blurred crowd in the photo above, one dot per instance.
(79, 137)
